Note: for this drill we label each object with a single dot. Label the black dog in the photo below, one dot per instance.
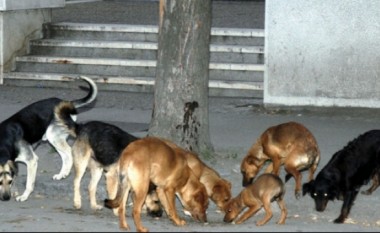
(98, 146)
(37, 121)
(345, 173)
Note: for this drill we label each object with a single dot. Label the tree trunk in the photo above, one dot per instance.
(180, 111)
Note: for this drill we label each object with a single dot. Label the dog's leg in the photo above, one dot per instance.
(289, 168)
(80, 166)
(27, 156)
(348, 201)
(268, 210)
(375, 185)
(314, 166)
(167, 198)
(252, 209)
(112, 183)
(125, 189)
(284, 211)
(141, 191)
(57, 137)
(96, 174)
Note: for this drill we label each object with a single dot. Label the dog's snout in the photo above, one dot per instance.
(5, 197)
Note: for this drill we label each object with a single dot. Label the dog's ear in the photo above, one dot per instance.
(14, 167)
(251, 160)
(307, 187)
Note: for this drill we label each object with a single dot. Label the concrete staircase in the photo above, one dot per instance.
(123, 57)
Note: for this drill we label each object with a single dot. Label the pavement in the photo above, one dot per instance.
(235, 123)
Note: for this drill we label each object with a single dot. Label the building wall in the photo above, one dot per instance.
(322, 53)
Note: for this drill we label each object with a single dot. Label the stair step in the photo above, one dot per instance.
(148, 33)
(126, 62)
(138, 45)
(139, 84)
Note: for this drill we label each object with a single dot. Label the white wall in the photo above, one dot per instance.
(322, 53)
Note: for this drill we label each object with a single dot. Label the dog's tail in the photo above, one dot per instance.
(65, 116)
(122, 190)
(91, 96)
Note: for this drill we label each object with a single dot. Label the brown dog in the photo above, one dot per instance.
(152, 160)
(291, 145)
(218, 189)
(264, 190)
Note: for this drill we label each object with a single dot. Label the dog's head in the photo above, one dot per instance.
(232, 209)
(249, 168)
(195, 201)
(221, 193)
(322, 190)
(8, 170)
(153, 204)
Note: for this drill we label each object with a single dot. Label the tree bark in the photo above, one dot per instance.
(180, 111)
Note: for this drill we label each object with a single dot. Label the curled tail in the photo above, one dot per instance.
(65, 116)
(91, 96)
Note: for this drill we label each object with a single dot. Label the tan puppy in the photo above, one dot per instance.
(218, 189)
(289, 144)
(151, 160)
(264, 190)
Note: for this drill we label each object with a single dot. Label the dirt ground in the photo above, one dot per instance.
(234, 125)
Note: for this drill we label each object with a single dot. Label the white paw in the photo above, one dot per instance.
(59, 177)
(22, 198)
(96, 207)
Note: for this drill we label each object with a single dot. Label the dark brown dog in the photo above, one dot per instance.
(218, 189)
(289, 144)
(264, 190)
(152, 160)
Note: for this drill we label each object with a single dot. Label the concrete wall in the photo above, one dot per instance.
(322, 53)
(21, 21)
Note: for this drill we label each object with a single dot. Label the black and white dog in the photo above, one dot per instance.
(37, 121)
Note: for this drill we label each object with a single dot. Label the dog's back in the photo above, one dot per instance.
(106, 140)
(357, 162)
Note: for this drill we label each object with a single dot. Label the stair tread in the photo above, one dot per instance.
(246, 32)
(138, 45)
(252, 85)
(127, 62)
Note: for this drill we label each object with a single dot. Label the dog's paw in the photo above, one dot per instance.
(22, 198)
(96, 207)
(58, 177)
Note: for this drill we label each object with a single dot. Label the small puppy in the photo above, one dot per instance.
(289, 144)
(218, 189)
(151, 160)
(30, 125)
(348, 169)
(98, 146)
(264, 190)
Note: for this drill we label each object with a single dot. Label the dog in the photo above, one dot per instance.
(151, 160)
(264, 190)
(218, 189)
(98, 146)
(33, 123)
(348, 169)
(290, 145)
